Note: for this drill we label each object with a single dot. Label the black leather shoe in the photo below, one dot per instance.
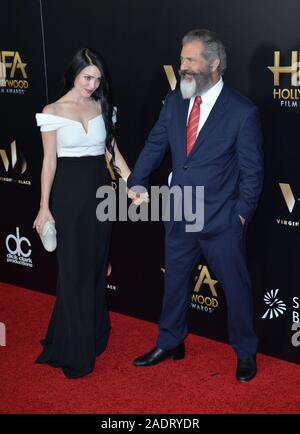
(157, 355)
(246, 368)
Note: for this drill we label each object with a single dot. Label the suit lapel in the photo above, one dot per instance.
(182, 120)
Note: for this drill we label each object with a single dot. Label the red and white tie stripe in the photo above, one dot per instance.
(192, 126)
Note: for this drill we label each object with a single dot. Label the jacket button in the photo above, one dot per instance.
(185, 167)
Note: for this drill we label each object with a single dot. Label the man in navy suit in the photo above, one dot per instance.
(215, 139)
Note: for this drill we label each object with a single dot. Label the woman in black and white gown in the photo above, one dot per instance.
(77, 132)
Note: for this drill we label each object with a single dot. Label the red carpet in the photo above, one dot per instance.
(203, 382)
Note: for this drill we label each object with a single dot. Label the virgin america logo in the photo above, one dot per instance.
(276, 307)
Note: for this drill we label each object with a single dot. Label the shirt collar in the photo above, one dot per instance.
(213, 92)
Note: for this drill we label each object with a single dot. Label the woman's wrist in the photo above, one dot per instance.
(126, 176)
(44, 206)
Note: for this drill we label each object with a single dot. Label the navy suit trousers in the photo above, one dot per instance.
(226, 258)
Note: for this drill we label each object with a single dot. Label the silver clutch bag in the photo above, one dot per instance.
(48, 236)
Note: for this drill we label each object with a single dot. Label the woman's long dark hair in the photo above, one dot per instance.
(87, 57)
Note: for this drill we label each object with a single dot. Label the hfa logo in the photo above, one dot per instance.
(13, 74)
(199, 301)
(292, 69)
(276, 306)
(10, 64)
(287, 96)
(13, 161)
(290, 201)
(204, 281)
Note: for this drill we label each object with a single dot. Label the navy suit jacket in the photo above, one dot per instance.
(226, 159)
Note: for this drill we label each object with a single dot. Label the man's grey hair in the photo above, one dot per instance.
(213, 47)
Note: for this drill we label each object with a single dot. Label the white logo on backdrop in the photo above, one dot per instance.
(19, 250)
(276, 307)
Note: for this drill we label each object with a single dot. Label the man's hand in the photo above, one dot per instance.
(243, 220)
(138, 198)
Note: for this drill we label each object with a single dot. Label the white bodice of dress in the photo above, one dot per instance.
(72, 138)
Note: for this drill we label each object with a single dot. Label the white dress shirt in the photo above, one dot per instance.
(208, 101)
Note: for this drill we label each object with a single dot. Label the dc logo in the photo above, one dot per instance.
(16, 245)
(276, 307)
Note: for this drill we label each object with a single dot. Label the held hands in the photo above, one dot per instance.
(43, 216)
(138, 197)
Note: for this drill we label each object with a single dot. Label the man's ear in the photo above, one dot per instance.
(214, 65)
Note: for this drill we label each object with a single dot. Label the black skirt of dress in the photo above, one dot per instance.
(79, 326)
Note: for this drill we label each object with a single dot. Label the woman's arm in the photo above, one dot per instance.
(47, 176)
(120, 164)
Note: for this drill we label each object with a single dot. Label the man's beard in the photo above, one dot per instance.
(192, 83)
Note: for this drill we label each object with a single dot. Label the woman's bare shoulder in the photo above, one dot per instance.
(55, 108)
(49, 109)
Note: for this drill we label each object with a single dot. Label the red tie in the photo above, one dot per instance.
(192, 126)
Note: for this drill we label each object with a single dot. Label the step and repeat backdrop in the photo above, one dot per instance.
(141, 44)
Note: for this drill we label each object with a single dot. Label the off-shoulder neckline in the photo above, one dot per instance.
(73, 120)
